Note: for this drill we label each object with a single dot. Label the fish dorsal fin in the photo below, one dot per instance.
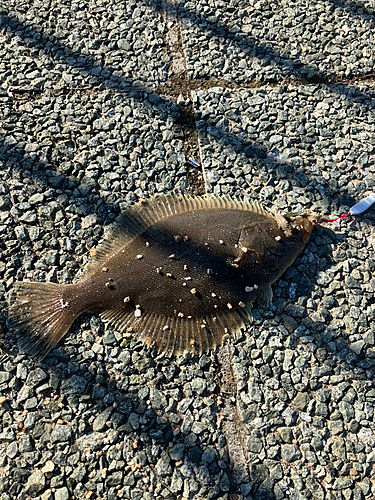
(175, 335)
(146, 213)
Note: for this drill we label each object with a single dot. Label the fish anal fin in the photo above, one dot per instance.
(180, 335)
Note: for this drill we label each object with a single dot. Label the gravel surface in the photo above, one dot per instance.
(96, 114)
(270, 40)
(47, 45)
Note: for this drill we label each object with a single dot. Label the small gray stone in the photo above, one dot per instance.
(225, 482)
(29, 217)
(254, 445)
(208, 457)
(157, 399)
(24, 443)
(129, 479)
(21, 233)
(301, 401)
(342, 483)
(177, 452)
(73, 385)
(4, 377)
(183, 405)
(24, 394)
(51, 257)
(100, 421)
(357, 346)
(12, 450)
(35, 377)
(61, 433)
(36, 198)
(198, 427)
(7, 435)
(92, 441)
(212, 176)
(134, 420)
(89, 221)
(115, 479)
(290, 452)
(258, 473)
(176, 482)
(339, 449)
(109, 338)
(62, 494)
(203, 475)
(79, 473)
(163, 467)
(35, 483)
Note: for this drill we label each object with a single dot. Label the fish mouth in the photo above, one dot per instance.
(313, 218)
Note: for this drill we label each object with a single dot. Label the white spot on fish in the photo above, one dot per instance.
(127, 300)
(180, 315)
(277, 238)
(104, 269)
(255, 287)
(147, 244)
(229, 306)
(173, 256)
(193, 291)
(249, 289)
(64, 304)
(242, 304)
(210, 272)
(244, 249)
(221, 242)
(213, 294)
(138, 312)
(186, 267)
(165, 327)
(139, 256)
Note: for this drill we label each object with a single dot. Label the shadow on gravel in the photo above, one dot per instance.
(106, 392)
(131, 414)
(366, 13)
(36, 38)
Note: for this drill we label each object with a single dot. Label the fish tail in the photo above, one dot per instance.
(43, 313)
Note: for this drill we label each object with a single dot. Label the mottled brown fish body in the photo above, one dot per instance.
(181, 271)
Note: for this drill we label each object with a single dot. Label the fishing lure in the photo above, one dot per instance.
(357, 209)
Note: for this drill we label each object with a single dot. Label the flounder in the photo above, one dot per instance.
(180, 271)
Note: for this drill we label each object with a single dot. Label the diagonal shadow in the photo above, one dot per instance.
(127, 87)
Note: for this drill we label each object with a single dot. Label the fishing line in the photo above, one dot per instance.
(357, 209)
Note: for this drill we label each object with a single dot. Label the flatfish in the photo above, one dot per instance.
(181, 272)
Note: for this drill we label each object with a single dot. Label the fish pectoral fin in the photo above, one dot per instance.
(265, 297)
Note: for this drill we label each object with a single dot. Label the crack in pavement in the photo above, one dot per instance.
(231, 420)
